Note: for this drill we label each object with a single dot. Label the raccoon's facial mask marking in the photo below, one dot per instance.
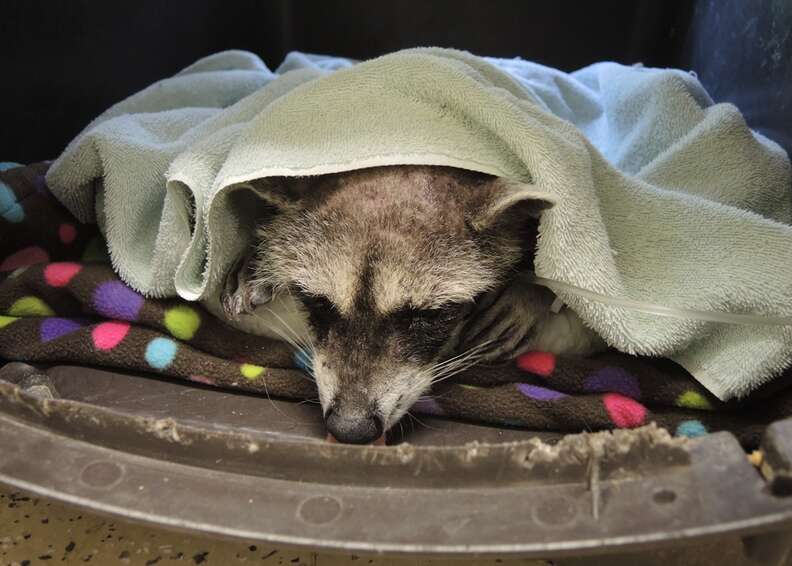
(422, 332)
(370, 368)
(386, 262)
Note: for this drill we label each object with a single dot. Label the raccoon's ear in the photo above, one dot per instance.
(282, 193)
(502, 200)
(240, 294)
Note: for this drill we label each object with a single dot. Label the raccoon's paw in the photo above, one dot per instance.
(501, 323)
(240, 295)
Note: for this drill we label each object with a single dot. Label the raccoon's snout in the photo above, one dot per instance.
(353, 427)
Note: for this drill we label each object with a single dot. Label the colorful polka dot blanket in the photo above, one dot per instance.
(61, 302)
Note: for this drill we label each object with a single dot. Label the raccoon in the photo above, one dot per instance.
(393, 278)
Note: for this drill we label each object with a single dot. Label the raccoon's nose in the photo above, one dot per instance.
(353, 428)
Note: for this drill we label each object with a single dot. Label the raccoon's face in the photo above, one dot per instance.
(385, 263)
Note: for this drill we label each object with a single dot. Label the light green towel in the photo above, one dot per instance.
(660, 195)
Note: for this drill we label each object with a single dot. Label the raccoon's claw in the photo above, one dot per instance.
(233, 305)
(240, 296)
(502, 323)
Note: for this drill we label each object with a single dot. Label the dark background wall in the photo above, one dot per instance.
(64, 62)
(742, 52)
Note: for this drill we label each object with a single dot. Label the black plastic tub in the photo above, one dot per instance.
(193, 458)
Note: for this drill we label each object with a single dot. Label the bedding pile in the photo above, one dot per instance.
(657, 195)
(61, 302)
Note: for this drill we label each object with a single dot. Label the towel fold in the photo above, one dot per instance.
(659, 194)
(61, 302)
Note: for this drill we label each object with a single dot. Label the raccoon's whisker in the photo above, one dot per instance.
(451, 374)
(477, 352)
(301, 340)
(439, 394)
(288, 339)
(437, 373)
(475, 348)
(456, 371)
(419, 421)
(456, 368)
(433, 397)
(450, 361)
(421, 380)
(297, 340)
(306, 338)
(309, 370)
(471, 359)
(274, 406)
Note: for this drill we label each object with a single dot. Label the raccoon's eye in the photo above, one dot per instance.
(316, 303)
(321, 312)
(417, 318)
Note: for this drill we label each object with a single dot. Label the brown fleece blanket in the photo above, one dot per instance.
(60, 301)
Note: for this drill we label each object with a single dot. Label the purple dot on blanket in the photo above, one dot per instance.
(115, 300)
(40, 184)
(613, 380)
(52, 328)
(539, 393)
(428, 407)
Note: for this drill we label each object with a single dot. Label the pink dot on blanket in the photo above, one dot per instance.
(538, 363)
(59, 274)
(623, 411)
(67, 233)
(202, 379)
(25, 256)
(108, 335)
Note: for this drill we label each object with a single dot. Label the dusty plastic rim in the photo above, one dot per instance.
(486, 499)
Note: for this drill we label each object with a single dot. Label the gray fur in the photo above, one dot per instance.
(395, 269)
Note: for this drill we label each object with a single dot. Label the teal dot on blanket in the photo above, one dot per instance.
(160, 352)
(303, 361)
(6, 165)
(10, 209)
(691, 429)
